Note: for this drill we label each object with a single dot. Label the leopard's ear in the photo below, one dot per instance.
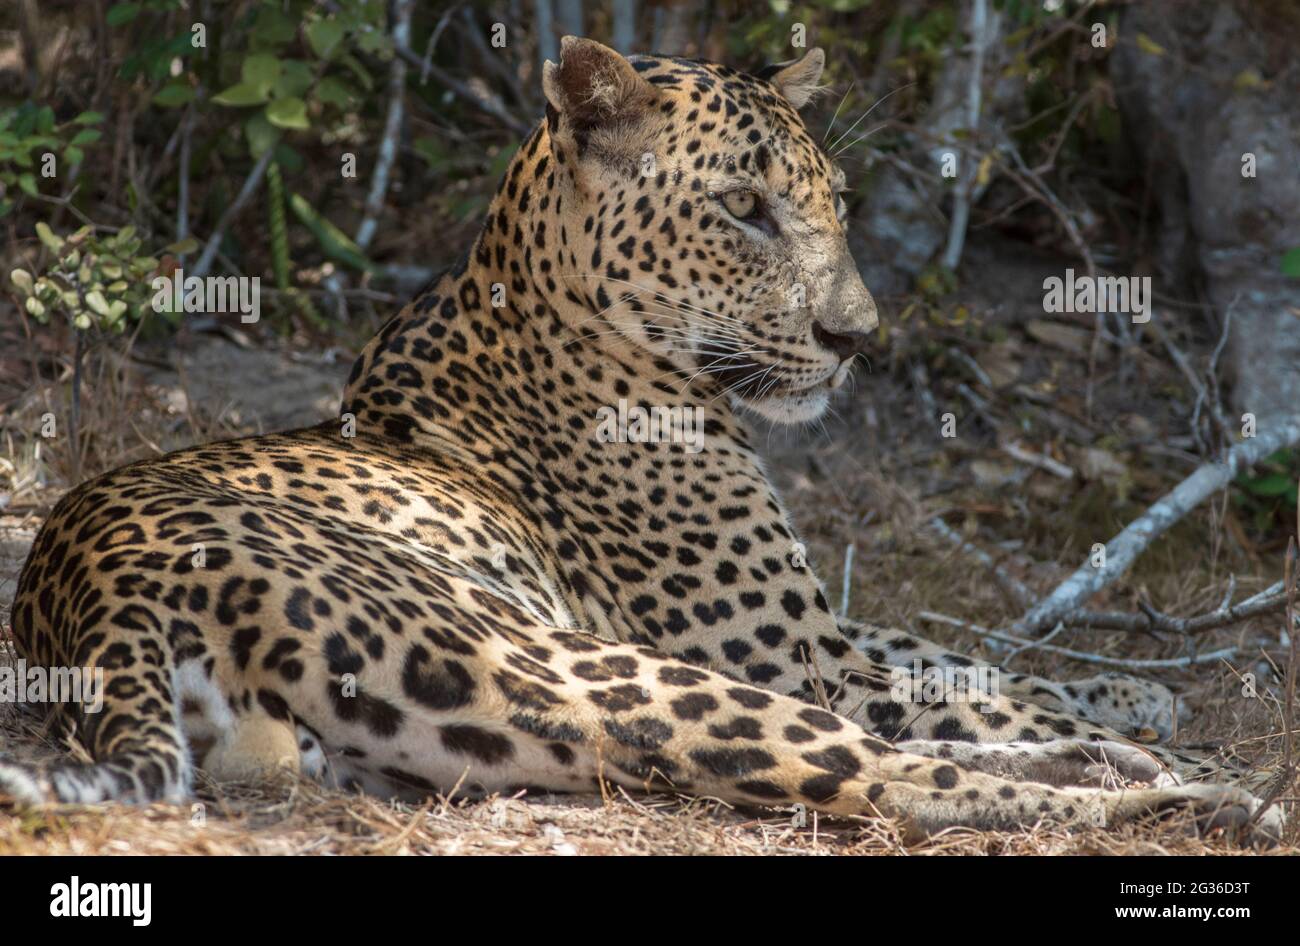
(797, 80)
(594, 86)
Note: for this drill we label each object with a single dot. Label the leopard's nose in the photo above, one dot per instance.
(844, 344)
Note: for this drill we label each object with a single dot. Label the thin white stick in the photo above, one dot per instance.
(961, 200)
(249, 187)
(402, 10)
(1223, 654)
(848, 580)
(1019, 452)
(1124, 549)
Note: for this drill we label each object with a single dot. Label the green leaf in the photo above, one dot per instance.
(182, 247)
(271, 28)
(295, 79)
(1149, 46)
(27, 181)
(261, 135)
(1275, 484)
(289, 160)
(240, 95)
(261, 71)
(88, 118)
(174, 94)
(122, 13)
(97, 302)
(25, 122)
(352, 62)
(53, 242)
(332, 91)
(73, 154)
(288, 113)
(23, 280)
(1291, 263)
(86, 136)
(372, 41)
(45, 120)
(333, 241)
(324, 37)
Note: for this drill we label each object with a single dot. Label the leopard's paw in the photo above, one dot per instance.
(1233, 812)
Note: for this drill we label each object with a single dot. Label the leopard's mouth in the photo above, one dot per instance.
(759, 389)
(767, 389)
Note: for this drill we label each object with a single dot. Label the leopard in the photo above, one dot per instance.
(475, 580)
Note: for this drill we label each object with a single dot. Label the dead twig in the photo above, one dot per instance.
(480, 98)
(1128, 664)
(249, 188)
(402, 10)
(1203, 395)
(1016, 451)
(183, 180)
(1269, 602)
(979, 27)
(1123, 549)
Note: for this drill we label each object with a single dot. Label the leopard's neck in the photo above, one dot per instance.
(514, 335)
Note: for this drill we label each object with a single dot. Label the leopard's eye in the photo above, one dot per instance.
(741, 204)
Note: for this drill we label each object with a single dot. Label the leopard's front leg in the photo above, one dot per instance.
(810, 659)
(1138, 708)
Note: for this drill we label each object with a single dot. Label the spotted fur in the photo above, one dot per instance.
(460, 583)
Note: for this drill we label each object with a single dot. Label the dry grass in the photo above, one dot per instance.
(841, 488)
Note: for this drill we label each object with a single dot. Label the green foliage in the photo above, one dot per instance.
(1291, 263)
(27, 134)
(1275, 477)
(284, 70)
(333, 241)
(279, 235)
(298, 66)
(1270, 491)
(93, 281)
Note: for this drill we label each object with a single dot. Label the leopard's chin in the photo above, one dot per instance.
(795, 407)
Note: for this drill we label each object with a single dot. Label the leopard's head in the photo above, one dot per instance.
(705, 223)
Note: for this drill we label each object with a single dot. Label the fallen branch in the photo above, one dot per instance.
(1123, 549)
(1269, 602)
(1128, 664)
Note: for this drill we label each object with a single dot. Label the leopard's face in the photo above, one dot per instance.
(713, 231)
